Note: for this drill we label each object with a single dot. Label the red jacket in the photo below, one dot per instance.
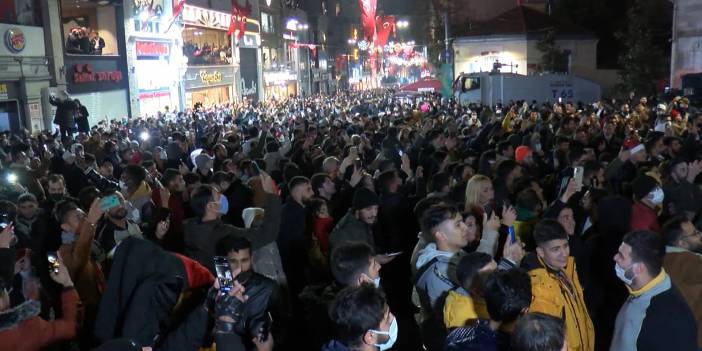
(33, 333)
(644, 218)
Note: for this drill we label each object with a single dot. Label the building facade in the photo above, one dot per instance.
(687, 40)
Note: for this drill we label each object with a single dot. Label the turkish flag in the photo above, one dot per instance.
(384, 25)
(368, 8)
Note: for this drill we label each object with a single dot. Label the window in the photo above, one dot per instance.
(22, 12)
(267, 23)
(471, 83)
(89, 28)
(204, 46)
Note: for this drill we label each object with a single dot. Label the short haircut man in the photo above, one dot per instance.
(507, 294)
(355, 312)
(350, 261)
(538, 332)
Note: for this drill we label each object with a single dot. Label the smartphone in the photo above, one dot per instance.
(353, 152)
(512, 235)
(393, 254)
(4, 221)
(224, 274)
(109, 202)
(52, 258)
(578, 176)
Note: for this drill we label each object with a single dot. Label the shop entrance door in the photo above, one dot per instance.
(10, 119)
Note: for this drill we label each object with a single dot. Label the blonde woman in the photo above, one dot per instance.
(479, 194)
(480, 199)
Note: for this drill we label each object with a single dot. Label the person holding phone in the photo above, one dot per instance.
(78, 232)
(33, 332)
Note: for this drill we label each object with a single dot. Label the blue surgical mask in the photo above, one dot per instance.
(392, 333)
(223, 205)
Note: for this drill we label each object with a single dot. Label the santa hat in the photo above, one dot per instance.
(633, 146)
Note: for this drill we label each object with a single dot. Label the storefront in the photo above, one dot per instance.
(210, 76)
(249, 73)
(209, 85)
(279, 84)
(23, 76)
(154, 77)
(155, 55)
(100, 84)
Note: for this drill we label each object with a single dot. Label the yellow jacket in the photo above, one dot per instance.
(460, 309)
(553, 297)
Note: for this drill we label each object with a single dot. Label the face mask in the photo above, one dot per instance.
(392, 333)
(223, 204)
(376, 282)
(657, 196)
(537, 147)
(621, 274)
(123, 186)
(244, 276)
(56, 197)
(164, 155)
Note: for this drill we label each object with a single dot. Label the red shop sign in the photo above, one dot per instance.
(83, 73)
(151, 48)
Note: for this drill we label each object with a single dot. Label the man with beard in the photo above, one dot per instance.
(254, 327)
(27, 214)
(292, 240)
(681, 193)
(683, 262)
(114, 227)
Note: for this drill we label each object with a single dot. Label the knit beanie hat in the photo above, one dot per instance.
(643, 185)
(363, 198)
(521, 152)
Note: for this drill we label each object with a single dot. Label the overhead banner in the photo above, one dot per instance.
(368, 8)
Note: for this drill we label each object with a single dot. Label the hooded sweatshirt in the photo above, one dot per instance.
(432, 281)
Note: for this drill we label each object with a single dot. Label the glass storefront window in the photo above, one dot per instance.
(267, 23)
(204, 46)
(89, 28)
(22, 12)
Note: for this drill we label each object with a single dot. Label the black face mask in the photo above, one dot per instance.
(243, 277)
(57, 197)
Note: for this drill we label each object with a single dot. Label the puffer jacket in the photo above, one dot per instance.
(554, 297)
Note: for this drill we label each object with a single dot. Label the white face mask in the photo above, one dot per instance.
(656, 196)
(392, 333)
(621, 274)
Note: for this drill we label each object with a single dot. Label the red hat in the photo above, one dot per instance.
(633, 145)
(521, 152)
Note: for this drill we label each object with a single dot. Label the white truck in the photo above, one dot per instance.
(493, 88)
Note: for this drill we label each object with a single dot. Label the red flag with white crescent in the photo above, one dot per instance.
(384, 25)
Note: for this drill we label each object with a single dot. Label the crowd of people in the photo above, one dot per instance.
(207, 54)
(81, 41)
(361, 221)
